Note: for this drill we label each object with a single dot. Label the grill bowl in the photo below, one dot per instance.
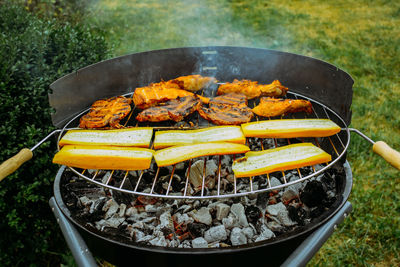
(275, 250)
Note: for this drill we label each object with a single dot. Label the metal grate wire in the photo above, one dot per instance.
(337, 147)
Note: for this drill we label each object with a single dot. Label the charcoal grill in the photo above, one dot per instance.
(329, 88)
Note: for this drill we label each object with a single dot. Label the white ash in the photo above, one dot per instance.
(216, 233)
(199, 242)
(187, 223)
(238, 237)
(202, 216)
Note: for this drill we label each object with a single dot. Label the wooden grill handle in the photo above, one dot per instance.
(12, 164)
(391, 155)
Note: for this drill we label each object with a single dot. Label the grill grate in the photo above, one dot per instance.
(148, 182)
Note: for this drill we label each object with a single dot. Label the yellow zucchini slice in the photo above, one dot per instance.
(104, 157)
(172, 155)
(231, 134)
(290, 128)
(279, 159)
(138, 137)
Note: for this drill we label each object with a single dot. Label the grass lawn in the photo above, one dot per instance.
(360, 37)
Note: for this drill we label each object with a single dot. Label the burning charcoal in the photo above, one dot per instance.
(146, 181)
(130, 211)
(166, 223)
(145, 239)
(182, 218)
(226, 161)
(313, 194)
(199, 242)
(184, 208)
(121, 197)
(196, 174)
(266, 233)
(185, 244)
(202, 215)
(229, 222)
(262, 200)
(196, 229)
(317, 211)
(136, 234)
(238, 211)
(97, 206)
(298, 214)
(249, 232)
(268, 143)
(122, 209)
(222, 210)
(163, 171)
(288, 195)
(275, 226)
(150, 208)
(173, 243)
(253, 214)
(216, 233)
(328, 202)
(274, 181)
(238, 237)
(105, 178)
(283, 216)
(134, 174)
(110, 207)
(274, 209)
(179, 168)
(112, 222)
(329, 181)
(197, 171)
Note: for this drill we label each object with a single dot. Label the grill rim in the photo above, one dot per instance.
(348, 184)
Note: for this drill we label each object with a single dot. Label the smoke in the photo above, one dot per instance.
(207, 23)
(136, 26)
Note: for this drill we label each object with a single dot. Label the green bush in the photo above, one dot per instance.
(33, 53)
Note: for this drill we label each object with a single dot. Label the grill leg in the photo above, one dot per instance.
(303, 254)
(83, 257)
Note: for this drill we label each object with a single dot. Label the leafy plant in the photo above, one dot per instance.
(33, 53)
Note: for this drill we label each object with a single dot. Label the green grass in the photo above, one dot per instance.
(361, 37)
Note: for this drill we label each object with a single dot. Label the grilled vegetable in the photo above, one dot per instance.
(175, 154)
(231, 134)
(104, 157)
(290, 128)
(139, 137)
(279, 159)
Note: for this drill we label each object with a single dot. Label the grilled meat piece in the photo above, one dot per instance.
(193, 83)
(106, 112)
(229, 109)
(156, 93)
(252, 89)
(271, 107)
(175, 110)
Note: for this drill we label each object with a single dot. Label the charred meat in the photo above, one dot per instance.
(193, 83)
(271, 107)
(157, 93)
(106, 112)
(175, 110)
(229, 109)
(252, 89)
